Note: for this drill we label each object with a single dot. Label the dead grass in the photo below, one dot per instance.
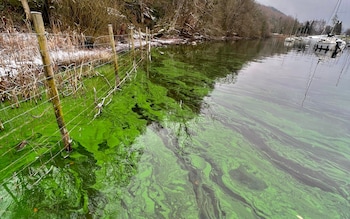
(21, 69)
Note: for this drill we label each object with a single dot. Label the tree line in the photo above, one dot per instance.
(317, 27)
(215, 18)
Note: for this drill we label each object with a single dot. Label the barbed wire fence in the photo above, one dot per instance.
(80, 68)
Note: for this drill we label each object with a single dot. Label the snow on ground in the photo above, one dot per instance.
(14, 66)
(20, 51)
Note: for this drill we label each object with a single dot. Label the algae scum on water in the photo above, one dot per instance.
(196, 133)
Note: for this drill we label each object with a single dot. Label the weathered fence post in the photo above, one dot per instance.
(115, 55)
(133, 47)
(140, 39)
(49, 74)
(146, 38)
(147, 52)
(149, 39)
(132, 41)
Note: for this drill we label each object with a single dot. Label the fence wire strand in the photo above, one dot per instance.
(22, 82)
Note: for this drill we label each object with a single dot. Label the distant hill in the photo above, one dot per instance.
(272, 9)
(278, 21)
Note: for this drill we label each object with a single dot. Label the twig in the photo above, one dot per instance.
(39, 116)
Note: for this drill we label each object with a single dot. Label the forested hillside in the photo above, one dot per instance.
(211, 18)
(279, 22)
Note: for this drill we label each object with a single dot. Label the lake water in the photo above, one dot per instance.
(254, 129)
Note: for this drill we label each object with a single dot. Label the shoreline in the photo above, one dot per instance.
(21, 68)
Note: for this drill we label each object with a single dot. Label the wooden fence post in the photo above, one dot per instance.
(115, 55)
(149, 39)
(132, 41)
(146, 39)
(140, 39)
(49, 74)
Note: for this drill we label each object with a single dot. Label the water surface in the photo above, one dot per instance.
(249, 129)
(270, 141)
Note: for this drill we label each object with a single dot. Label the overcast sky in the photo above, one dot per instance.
(305, 10)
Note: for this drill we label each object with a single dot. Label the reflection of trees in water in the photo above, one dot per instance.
(217, 57)
(184, 70)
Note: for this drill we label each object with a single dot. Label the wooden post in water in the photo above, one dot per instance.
(115, 55)
(49, 74)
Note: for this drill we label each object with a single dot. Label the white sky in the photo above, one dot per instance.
(305, 10)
